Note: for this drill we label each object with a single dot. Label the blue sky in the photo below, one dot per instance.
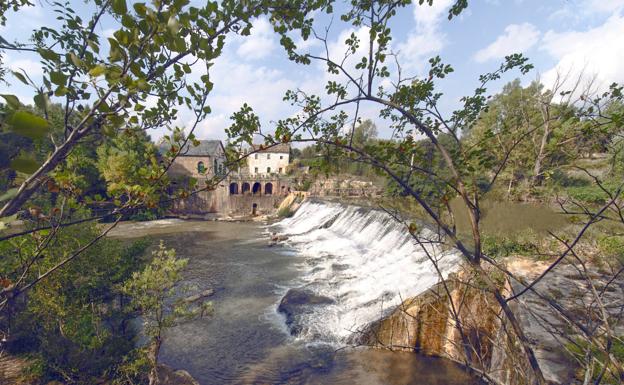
(565, 35)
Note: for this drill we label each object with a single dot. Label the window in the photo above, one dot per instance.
(201, 168)
(280, 170)
(255, 156)
(256, 170)
(281, 156)
(268, 156)
(216, 167)
(268, 170)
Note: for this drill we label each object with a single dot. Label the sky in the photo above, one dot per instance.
(565, 36)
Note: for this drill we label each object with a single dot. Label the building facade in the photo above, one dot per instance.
(256, 189)
(272, 160)
(200, 162)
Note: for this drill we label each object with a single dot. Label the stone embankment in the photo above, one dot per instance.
(426, 323)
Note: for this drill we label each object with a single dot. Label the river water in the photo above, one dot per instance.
(359, 259)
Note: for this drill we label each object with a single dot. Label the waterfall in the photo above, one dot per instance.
(362, 261)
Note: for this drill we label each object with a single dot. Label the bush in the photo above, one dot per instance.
(579, 350)
(612, 247)
(285, 212)
(592, 193)
(564, 180)
(504, 246)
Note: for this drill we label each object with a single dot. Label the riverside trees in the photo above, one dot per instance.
(102, 92)
(105, 87)
(530, 128)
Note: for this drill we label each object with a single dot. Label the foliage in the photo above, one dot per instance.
(593, 193)
(156, 295)
(285, 212)
(580, 348)
(71, 322)
(501, 246)
(612, 247)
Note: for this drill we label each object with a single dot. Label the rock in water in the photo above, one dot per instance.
(295, 302)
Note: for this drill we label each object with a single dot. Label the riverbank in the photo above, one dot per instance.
(247, 340)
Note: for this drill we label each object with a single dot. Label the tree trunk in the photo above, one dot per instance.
(541, 154)
(152, 356)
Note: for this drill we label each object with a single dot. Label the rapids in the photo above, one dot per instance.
(363, 259)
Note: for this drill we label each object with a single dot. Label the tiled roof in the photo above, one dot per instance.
(283, 148)
(205, 148)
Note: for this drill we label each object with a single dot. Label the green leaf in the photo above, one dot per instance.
(119, 7)
(20, 77)
(97, 70)
(75, 59)
(61, 91)
(25, 164)
(29, 125)
(58, 78)
(48, 54)
(173, 24)
(42, 101)
(8, 195)
(11, 100)
(7, 220)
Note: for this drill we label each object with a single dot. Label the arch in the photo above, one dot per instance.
(257, 188)
(254, 208)
(245, 188)
(233, 188)
(201, 168)
(268, 188)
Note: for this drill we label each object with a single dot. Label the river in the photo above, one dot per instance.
(355, 257)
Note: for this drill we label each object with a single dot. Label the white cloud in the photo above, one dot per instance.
(260, 43)
(595, 52)
(31, 67)
(430, 16)
(516, 38)
(606, 6)
(426, 39)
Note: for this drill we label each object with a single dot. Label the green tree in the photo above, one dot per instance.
(161, 50)
(411, 106)
(72, 324)
(151, 291)
(363, 133)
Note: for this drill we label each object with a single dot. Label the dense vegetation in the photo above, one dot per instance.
(78, 161)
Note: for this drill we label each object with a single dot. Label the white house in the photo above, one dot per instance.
(272, 160)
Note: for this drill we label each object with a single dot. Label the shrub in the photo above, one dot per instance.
(497, 246)
(285, 212)
(612, 247)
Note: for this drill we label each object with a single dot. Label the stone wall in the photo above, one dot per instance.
(187, 166)
(204, 202)
(223, 203)
(425, 324)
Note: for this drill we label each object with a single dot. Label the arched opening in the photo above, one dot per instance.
(233, 188)
(283, 190)
(200, 167)
(246, 188)
(254, 207)
(268, 189)
(257, 188)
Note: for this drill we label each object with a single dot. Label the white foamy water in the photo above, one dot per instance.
(361, 258)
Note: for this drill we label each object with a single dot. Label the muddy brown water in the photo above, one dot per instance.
(245, 341)
(505, 218)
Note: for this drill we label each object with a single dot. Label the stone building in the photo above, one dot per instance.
(272, 160)
(254, 191)
(201, 162)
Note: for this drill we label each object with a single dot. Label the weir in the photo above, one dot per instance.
(362, 260)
